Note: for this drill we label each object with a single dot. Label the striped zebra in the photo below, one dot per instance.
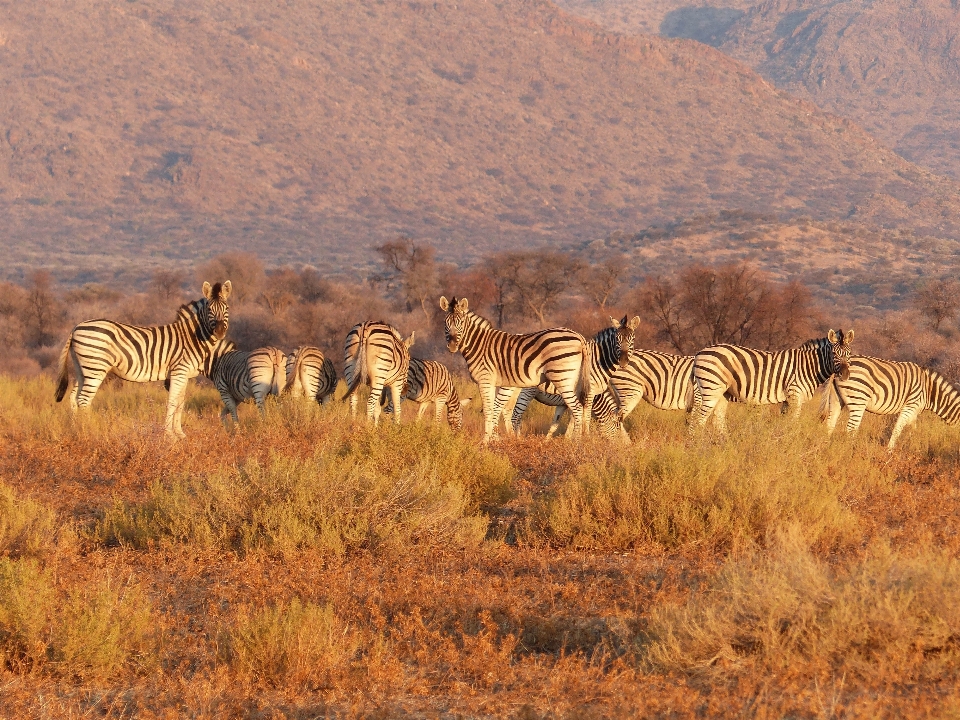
(375, 354)
(247, 375)
(756, 376)
(500, 362)
(429, 382)
(174, 353)
(610, 349)
(311, 375)
(605, 414)
(885, 387)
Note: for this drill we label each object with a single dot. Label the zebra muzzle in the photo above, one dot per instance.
(843, 372)
(220, 330)
(453, 345)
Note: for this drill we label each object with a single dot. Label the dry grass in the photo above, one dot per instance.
(305, 565)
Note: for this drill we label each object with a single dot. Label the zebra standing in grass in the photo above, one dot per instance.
(247, 375)
(375, 354)
(499, 362)
(755, 376)
(885, 387)
(610, 349)
(429, 382)
(174, 353)
(310, 374)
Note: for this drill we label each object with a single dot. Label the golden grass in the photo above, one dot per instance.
(306, 564)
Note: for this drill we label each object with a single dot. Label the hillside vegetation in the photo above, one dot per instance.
(308, 131)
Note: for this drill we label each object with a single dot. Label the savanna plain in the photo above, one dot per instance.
(308, 565)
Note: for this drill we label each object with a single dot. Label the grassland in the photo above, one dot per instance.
(306, 565)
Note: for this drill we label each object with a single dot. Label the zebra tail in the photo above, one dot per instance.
(63, 375)
(279, 375)
(360, 373)
(583, 382)
(828, 395)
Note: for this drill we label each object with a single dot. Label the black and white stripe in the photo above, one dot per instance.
(174, 353)
(500, 361)
(375, 354)
(247, 375)
(756, 376)
(610, 350)
(885, 387)
(429, 382)
(311, 375)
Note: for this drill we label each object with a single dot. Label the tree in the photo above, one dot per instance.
(938, 300)
(168, 284)
(244, 270)
(410, 271)
(603, 280)
(661, 303)
(534, 280)
(43, 311)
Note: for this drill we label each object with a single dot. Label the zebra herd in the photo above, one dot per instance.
(601, 379)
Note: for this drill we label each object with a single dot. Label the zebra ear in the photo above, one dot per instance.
(226, 289)
(634, 323)
(462, 305)
(409, 341)
(832, 336)
(207, 290)
(848, 338)
(615, 323)
(444, 303)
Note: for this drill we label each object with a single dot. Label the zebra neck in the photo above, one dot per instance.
(942, 398)
(604, 350)
(476, 337)
(189, 317)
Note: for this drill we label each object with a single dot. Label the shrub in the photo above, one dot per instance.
(26, 526)
(769, 611)
(27, 603)
(296, 643)
(374, 489)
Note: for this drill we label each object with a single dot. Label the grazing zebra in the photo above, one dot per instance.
(499, 361)
(610, 349)
(174, 353)
(429, 382)
(375, 354)
(885, 387)
(755, 376)
(311, 375)
(605, 412)
(247, 375)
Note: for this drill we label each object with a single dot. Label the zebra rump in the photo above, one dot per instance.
(311, 374)
(252, 375)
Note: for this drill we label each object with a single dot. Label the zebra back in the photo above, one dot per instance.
(661, 379)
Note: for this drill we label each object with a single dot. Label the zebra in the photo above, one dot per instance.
(310, 374)
(885, 387)
(174, 353)
(429, 382)
(245, 375)
(756, 376)
(375, 354)
(605, 413)
(499, 362)
(610, 349)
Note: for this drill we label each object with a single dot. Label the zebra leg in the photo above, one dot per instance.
(87, 386)
(720, 416)
(353, 405)
(555, 426)
(520, 407)
(906, 417)
(397, 399)
(373, 403)
(422, 409)
(576, 410)
(440, 407)
(587, 410)
(488, 396)
(703, 407)
(259, 396)
(175, 402)
(73, 396)
(502, 399)
(855, 418)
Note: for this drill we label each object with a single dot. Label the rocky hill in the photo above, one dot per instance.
(140, 134)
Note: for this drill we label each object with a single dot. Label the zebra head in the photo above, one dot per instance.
(624, 339)
(840, 348)
(455, 321)
(216, 319)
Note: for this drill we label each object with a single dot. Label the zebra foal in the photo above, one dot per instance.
(375, 354)
(723, 372)
(429, 382)
(174, 353)
(310, 374)
(885, 387)
(247, 375)
(499, 361)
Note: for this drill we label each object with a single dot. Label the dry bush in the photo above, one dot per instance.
(768, 612)
(296, 644)
(722, 495)
(28, 527)
(27, 603)
(416, 484)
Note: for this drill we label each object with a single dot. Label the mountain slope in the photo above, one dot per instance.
(145, 132)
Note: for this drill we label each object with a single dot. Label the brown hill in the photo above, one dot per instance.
(892, 67)
(143, 134)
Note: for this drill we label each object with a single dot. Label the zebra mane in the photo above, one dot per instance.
(815, 343)
(479, 320)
